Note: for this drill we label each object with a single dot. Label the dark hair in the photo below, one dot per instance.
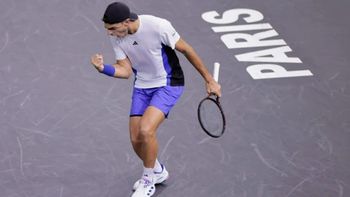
(117, 12)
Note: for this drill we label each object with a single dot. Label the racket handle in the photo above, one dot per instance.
(216, 71)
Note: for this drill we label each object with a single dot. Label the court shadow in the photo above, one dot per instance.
(160, 188)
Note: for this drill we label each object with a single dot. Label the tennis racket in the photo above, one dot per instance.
(210, 114)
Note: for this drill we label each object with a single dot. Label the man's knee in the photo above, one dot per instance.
(135, 140)
(134, 129)
(146, 133)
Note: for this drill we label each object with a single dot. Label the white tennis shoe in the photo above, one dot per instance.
(146, 188)
(159, 178)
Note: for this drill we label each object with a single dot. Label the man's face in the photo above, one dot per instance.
(119, 29)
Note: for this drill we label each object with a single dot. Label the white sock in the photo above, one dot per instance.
(148, 173)
(157, 166)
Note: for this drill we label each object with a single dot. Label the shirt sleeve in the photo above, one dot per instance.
(169, 35)
(119, 53)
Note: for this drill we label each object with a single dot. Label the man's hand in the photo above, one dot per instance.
(214, 87)
(97, 61)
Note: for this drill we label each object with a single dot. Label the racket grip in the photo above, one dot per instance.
(216, 71)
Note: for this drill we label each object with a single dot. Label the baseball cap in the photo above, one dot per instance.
(118, 12)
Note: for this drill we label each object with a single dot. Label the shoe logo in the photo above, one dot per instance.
(135, 43)
(160, 171)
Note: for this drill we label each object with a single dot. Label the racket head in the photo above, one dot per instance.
(211, 117)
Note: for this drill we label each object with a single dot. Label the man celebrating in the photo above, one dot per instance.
(145, 45)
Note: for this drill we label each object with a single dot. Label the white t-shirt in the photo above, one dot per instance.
(151, 52)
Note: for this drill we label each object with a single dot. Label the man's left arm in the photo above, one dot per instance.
(191, 55)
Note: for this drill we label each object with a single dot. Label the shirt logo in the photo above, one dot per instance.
(135, 43)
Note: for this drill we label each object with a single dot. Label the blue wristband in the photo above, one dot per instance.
(108, 70)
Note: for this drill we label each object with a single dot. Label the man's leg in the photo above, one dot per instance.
(134, 126)
(143, 132)
(160, 172)
(146, 146)
(143, 135)
(146, 120)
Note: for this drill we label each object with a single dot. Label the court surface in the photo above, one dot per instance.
(64, 127)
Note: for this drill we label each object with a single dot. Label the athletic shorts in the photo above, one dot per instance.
(163, 98)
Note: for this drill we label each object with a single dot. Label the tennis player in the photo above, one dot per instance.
(145, 45)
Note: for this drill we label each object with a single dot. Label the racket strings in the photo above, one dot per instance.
(211, 117)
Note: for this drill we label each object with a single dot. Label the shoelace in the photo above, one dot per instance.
(146, 182)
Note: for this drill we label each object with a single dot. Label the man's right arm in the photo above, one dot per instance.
(121, 69)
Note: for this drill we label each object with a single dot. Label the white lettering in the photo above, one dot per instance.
(234, 41)
(238, 36)
(269, 55)
(234, 28)
(231, 16)
(268, 71)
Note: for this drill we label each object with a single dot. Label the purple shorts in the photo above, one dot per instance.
(163, 98)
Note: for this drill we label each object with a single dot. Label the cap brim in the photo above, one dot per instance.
(133, 16)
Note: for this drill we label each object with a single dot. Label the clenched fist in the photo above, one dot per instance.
(97, 61)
